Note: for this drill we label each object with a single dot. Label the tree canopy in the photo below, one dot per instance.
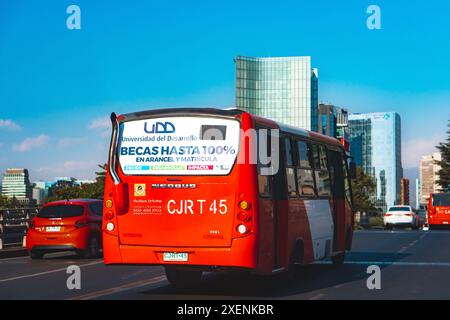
(444, 172)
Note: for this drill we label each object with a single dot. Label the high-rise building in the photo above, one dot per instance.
(417, 193)
(16, 184)
(284, 89)
(404, 186)
(327, 120)
(333, 122)
(361, 143)
(429, 176)
(38, 195)
(375, 143)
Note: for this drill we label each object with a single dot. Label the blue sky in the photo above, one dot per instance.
(57, 86)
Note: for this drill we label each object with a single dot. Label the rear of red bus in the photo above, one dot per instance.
(175, 194)
(439, 210)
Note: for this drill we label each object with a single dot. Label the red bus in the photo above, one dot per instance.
(184, 190)
(439, 210)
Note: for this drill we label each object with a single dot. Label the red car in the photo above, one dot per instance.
(67, 225)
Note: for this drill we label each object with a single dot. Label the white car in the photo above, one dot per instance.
(401, 216)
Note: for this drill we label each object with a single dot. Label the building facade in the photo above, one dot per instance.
(333, 122)
(404, 186)
(429, 176)
(284, 89)
(327, 120)
(16, 184)
(417, 193)
(375, 143)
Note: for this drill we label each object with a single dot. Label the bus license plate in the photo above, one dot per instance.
(53, 229)
(175, 256)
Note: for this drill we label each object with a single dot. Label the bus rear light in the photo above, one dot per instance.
(109, 215)
(108, 203)
(244, 217)
(110, 226)
(244, 205)
(242, 229)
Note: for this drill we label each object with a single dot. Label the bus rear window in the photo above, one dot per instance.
(61, 211)
(441, 200)
(178, 146)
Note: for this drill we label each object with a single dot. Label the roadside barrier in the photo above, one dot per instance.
(14, 225)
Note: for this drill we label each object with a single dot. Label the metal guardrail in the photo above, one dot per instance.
(14, 225)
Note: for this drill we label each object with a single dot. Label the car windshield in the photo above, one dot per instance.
(61, 211)
(399, 209)
(441, 200)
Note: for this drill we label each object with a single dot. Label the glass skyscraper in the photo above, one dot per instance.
(284, 89)
(375, 143)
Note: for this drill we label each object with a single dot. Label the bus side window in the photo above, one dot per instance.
(348, 194)
(321, 171)
(305, 177)
(290, 170)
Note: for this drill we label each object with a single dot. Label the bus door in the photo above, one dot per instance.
(268, 177)
(338, 189)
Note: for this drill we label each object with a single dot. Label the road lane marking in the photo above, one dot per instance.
(317, 296)
(124, 287)
(47, 272)
(392, 263)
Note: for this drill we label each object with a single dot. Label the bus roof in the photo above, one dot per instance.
(230, 112)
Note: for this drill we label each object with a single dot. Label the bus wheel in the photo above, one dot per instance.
(183, 278)
(338, 259)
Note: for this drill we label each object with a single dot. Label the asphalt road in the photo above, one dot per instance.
(414, 265)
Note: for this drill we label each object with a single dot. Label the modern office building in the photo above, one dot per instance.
(417, 193)
(429, 176)
(375, 143)
(16, 184)
(333, 122)
(327, 120)
(361, 143)
(284, 89)
(404, 186)
(38, 195)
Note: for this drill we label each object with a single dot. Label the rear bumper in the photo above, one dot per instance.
(75, 240)
(241, 254)
(50, 248)
(436, 220)
(399, 221)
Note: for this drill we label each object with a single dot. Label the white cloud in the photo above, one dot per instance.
(413, 150)
(9, 124)
(68, 142)
(79, 169)
(32, 143)
(101, 125)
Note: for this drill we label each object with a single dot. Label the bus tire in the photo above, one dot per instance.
(183, 278)
(295, 259)
(338, 259)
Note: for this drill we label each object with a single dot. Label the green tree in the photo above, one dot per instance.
(69, 190)
(363, 188)
(4, 201)
(444, 172)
